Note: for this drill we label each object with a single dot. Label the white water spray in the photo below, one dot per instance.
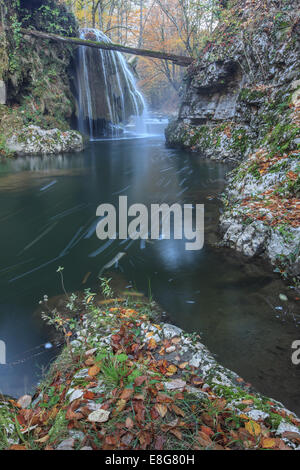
(109, 102)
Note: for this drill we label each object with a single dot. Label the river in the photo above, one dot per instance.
(48, 219)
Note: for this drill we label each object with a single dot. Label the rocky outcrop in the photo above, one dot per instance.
(241, 103)
(33, 140)
(242, 85)
(35, 85)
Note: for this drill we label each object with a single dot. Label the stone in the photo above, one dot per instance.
(170, 331)
(81, 374)
(76, 435)
(176, 384)
(257, 415)
(90, 352)
(75, 395)
(170, 349)
(67, 444)
(25, 401)
(33, 140)
(99, 416)
(286, 427)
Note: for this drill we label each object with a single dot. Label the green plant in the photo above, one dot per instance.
(15, 26)
(53, 398)
(106, 290)
(59, 428)
(113, 368)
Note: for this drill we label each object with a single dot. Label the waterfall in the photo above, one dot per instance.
(107, 95)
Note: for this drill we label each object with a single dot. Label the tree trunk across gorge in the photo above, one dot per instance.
(183, 61)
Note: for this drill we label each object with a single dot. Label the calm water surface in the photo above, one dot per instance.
(48, 218)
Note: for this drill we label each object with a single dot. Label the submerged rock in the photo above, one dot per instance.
(33, 140)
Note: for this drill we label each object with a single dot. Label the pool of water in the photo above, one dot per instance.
(48, 219)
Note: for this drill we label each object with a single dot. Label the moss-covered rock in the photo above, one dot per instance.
(246, 79)
(36, 75)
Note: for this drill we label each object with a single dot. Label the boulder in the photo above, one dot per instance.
(33, 140)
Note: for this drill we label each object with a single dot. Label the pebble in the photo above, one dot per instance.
(25, 401)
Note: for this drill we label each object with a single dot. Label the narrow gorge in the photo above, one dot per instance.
(150, 226)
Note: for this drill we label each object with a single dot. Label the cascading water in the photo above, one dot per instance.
(108, 98)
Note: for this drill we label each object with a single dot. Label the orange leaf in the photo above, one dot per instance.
(89, 395)
(152, 344)
(268, 443)
(171, 370)
(127, 393)
(93, 371)
(129, 423)
(183, 365)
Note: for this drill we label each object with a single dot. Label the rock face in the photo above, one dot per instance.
(33, 140)
(241, 103)
(242, 85)
(35, 85)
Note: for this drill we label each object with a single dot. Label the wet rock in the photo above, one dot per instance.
(33, 140)
(67, 444)
(169, 331)
(25, 401)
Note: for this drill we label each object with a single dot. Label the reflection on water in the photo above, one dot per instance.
(48, 218)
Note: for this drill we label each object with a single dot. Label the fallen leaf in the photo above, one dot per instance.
(126, 394)
(129, 423)
(93, 371)
(183, 365)
(127, 438)
(42, 440)
(178, 410)
(171, 370)
(89, 395)
(152, 344)
(208, 431)
(293, 436)
(268, 443)
(120, 406)
(253, 428)
(140, 380)
(159, 442)
(161, 409)
(176, 433)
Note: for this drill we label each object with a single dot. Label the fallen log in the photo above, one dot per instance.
(183, 61)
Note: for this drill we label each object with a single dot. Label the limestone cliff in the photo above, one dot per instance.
(241, 102)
